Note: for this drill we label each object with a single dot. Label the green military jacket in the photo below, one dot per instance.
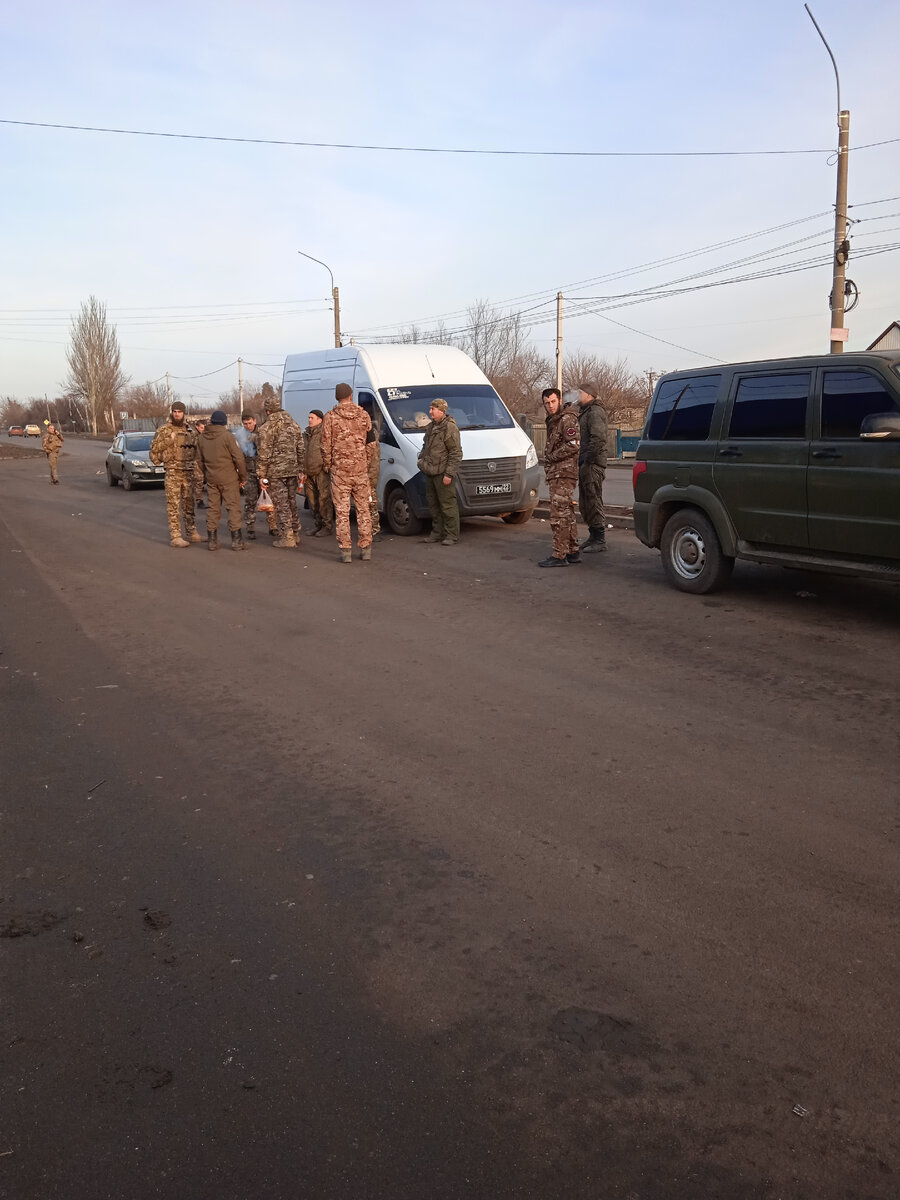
(594, 432)
(315, 463)
(441, 450)
(223, 459)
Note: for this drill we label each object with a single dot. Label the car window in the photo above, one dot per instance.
(683, 409)
(770, 406)
(850, 396)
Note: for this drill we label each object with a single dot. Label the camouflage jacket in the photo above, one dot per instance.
(280, 449)
(561, 453)
(594, 434)
(344, 432)
(315, 464)
(52, 442)
(176, 447)
(223, 459)
(441, 450)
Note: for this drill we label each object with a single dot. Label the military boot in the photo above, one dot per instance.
(212, 539)
(178, 540)
(237, 540)
(251, 534)
(366, 553)
(595, 544)
(346, 554)
(194, 536)
(322, 531)
(286, 543)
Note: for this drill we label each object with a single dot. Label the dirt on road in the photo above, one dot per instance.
(439, 875)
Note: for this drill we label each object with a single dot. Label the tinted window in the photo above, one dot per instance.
(683, 409)
(138, 441)
(770, 406)
(848, 397)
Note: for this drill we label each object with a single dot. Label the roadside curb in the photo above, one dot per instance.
(619, 516)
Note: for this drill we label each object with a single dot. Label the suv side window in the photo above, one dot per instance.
(850, 396)
(770, 406)
(683, 409)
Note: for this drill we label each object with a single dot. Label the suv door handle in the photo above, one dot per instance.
(829, 453)
(730, 452)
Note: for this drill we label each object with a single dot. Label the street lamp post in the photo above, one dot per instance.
(334, 295)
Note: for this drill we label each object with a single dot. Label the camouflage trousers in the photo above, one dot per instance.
(343, 489)
(318, 493)
(284, 496)
(562, 517)
(374, 472)
(231, 494)
(198, 482)
(251, 499)
(53, 460)
(590, 496)
(180, 502)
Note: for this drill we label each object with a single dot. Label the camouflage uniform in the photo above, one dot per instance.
(175, 446)
(199, 477)
(317, 485)
(281, 459)
(561, 471)
(594, 435)
(344, 432)
(52, 444)
(441, 455)
(373, 459)
(252, 489)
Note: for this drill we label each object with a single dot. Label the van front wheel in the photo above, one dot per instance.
(518, 518)
(692, 554)
(399, 515)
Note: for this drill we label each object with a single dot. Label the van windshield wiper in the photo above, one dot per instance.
(672, 413)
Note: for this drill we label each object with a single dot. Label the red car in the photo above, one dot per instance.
(16, 431)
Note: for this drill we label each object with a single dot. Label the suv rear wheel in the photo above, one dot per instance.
(692, 555)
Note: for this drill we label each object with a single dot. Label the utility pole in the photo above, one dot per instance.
(168, 391)
(838, 334)
(337, 318)
(241, 388)
(559, 342)
(841, 243)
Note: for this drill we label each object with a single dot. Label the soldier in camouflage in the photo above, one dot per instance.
(439, 461)
(344, 432)
(373, 470)
(51, 443)
(561, 472)
(281, 463)
(199, 478)
(247, 438)
(594, 435)
(317, 485)
(175, 446)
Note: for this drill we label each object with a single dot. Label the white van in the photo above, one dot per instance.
(396, 384)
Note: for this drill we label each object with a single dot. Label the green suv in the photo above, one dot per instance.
(794, 461)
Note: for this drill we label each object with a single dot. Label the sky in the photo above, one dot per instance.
(193, 244)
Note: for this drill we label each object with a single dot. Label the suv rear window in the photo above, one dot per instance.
(770, 406)
(850, 396)
(683, 409)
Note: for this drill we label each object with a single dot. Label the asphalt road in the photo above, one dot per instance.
(439, 875)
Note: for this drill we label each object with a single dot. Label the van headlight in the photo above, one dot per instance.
(531, 458)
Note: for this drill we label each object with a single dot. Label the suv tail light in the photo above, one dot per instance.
(636, 471)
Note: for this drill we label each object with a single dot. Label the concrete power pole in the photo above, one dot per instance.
(841, 244)
(337, 318)
(241, 388)
(559, 341)
(168, 391)
(838, 333)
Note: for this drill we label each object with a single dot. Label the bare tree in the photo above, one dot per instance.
(621, 392)
(12, 411)
(95, 370)
(146, 400)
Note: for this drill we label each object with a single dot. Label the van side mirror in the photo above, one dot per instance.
(881, 427)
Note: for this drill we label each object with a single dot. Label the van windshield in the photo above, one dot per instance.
(472, 406)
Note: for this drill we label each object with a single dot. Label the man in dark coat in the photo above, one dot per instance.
(593, 436)
(226, 474)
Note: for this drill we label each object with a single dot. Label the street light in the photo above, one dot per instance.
(334, 295)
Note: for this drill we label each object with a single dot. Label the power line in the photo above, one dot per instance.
(258, 141)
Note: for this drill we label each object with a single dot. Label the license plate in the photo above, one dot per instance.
(492, 489)
(160, 470)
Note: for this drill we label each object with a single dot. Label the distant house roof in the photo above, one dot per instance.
(889, 340)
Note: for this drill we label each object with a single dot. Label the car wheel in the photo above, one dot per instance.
(127, 481)
(111, 479)
(692, 554)
(518, 518)
(400, 516)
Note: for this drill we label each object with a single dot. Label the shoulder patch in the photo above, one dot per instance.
(571, 432)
